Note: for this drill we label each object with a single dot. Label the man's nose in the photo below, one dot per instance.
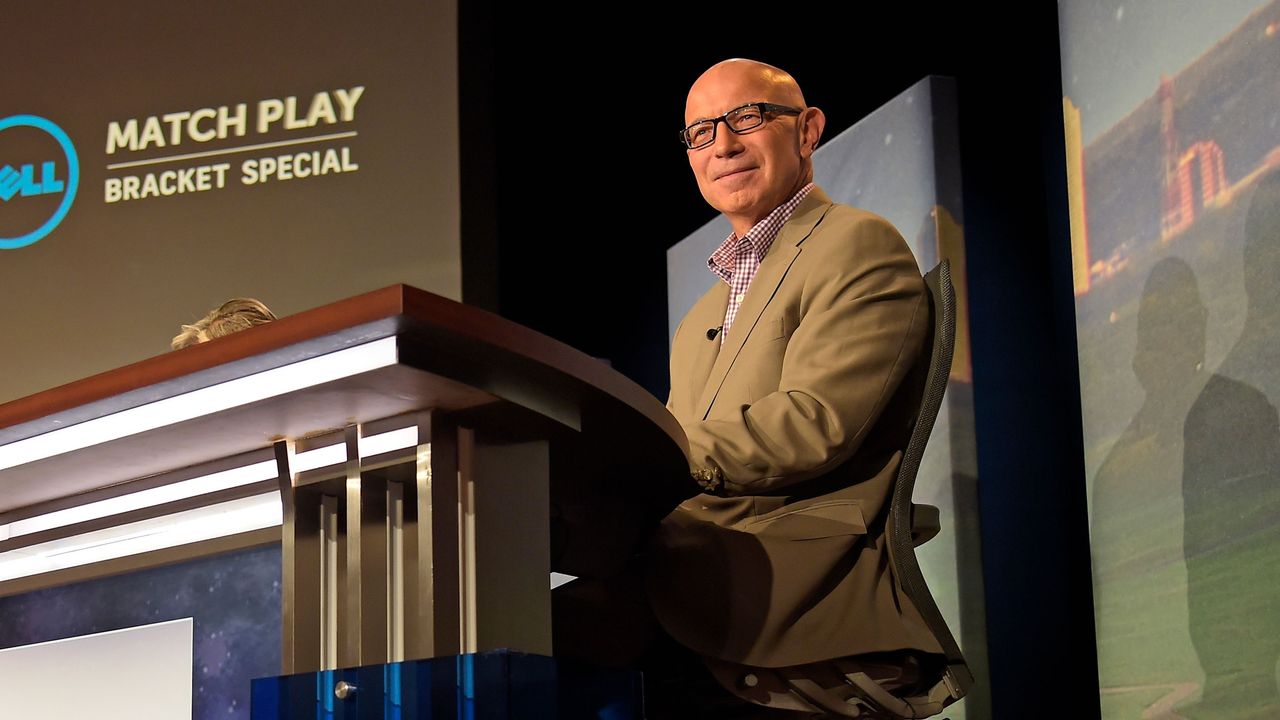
(726, 143)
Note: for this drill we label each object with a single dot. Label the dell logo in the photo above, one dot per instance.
(31, 179)
(22, 181)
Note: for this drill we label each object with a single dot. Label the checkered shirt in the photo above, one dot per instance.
(738, 258)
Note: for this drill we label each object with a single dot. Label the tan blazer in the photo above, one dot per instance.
(800, 411)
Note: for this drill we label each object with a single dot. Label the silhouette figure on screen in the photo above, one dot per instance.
(1136, 520)
(1231, 494)
(231, 316)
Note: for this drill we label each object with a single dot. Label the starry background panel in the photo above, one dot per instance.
(234, 600)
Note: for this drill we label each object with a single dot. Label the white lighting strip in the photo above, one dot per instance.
(214, 521)
(204, 485)
(389, 441)
(205, 523)
(205, 401)
(235, 477)
(190, 526)
(335, 454)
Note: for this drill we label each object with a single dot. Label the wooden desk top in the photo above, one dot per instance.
(451, 357)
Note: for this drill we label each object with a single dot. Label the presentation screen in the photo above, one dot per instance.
(1173, 156)
(157, 159)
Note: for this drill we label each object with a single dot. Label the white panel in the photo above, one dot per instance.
(137, 673)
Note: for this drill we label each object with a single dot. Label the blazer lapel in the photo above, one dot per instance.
(782, 253)
(708, 350)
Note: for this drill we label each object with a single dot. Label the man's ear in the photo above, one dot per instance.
(812, 122)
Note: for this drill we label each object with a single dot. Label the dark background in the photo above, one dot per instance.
(578, 234)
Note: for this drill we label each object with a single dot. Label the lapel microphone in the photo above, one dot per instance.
(712, 332)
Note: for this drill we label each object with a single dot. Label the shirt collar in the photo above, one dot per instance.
(758, 239)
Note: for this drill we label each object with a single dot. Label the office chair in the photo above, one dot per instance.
(886, 686)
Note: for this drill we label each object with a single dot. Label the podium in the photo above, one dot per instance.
(434, 463)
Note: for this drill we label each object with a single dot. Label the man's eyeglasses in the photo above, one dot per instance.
(738, 120)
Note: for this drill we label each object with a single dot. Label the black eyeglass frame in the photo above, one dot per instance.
(765, 108)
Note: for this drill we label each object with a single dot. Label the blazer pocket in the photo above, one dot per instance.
(777, 329)
(830, 518)
(767, 348)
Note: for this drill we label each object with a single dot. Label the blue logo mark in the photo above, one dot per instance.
(23, 181)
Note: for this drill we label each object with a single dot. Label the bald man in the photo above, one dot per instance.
(792, 378)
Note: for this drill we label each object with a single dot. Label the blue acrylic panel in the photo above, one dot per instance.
(486, 686)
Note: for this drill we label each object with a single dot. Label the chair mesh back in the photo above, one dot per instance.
(902, 549)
